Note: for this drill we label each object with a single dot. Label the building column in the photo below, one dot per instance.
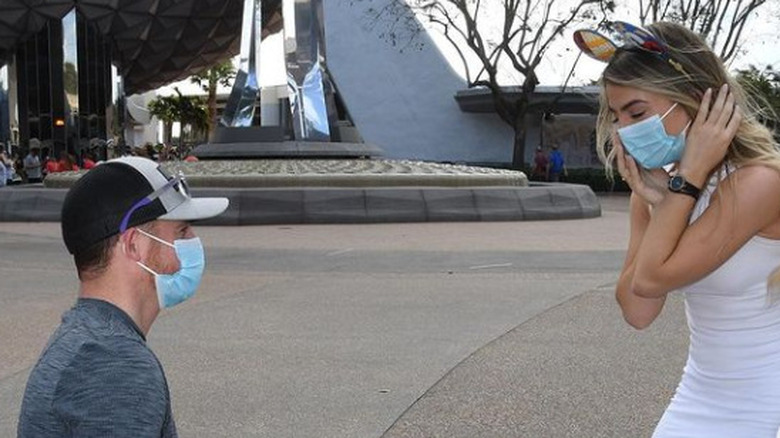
(70, 85)
(240, 106)
(304, 45)
(5, 109)
(116, 117)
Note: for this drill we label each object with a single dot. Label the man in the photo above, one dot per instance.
(32, 164)
(557, 165)
(127, 225)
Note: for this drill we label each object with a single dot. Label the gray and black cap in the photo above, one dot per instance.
(126, 192)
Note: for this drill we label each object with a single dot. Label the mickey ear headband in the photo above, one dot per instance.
(601, 48)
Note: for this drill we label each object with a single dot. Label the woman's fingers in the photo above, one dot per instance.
(712, 132)
(733, 124)
(620, 156)
(721, 110)
(631, 168)
(704, 107)
(720, 102)
(727, 111)
(618, 152)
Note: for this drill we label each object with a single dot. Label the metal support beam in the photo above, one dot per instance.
(5, 108)
(304, 45)
(240, 107)
(116, 116)
(70, 79)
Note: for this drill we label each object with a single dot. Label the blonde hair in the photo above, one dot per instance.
(633, 67)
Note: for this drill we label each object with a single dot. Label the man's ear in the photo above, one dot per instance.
(128, 243)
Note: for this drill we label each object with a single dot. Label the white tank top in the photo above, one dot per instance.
(731, 382)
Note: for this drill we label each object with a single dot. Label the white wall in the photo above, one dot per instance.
(147, 127)
(404, 102)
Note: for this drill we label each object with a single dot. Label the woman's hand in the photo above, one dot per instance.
(710, 135)
(654, 191)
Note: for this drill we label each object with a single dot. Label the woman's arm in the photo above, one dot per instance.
(672, 253)
(638, 311)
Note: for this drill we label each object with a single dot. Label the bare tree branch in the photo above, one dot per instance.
(517, 36)
(720, 22)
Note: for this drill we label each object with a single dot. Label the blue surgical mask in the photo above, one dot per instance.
(176, 288)
(649, 144)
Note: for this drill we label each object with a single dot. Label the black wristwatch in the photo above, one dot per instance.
(678, 184)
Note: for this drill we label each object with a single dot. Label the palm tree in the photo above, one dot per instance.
(189, 111)
(166, 109)
(219, 74)
(193, 115)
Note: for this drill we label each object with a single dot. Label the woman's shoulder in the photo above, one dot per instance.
(755, 188)
(764, 176)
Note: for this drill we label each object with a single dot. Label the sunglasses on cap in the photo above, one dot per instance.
(180, 191)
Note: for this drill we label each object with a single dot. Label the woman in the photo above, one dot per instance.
(67, 163)
(709, 228)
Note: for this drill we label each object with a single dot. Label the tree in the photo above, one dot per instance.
(764, 87)
(194, 118)
(516, 39)
(720, 22)
(189, 111)
(220, 74)
(166, 109)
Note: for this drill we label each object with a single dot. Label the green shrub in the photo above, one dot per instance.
(596, 179)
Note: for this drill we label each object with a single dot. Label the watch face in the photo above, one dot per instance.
(676, 183)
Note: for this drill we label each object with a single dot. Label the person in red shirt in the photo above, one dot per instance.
(67, 162)
(541, 165)
(52, 166)
(88, 162)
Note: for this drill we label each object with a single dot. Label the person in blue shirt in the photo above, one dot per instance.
(557, 164)
(5, 172)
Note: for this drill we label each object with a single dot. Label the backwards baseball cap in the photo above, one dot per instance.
(124, 193)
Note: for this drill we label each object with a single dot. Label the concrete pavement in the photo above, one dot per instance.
(477, 329)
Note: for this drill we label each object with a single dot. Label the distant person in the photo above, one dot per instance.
(44, 157)
(88, 161)
(557, 164)
(541, 164)
(51, 166)
(32, 162)
(18, 165)
(704, 223)
(5, 171)
(127, 225)
(67, 163)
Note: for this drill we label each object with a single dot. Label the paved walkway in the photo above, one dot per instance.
(475, 329)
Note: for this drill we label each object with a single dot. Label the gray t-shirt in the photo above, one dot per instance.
(32, 164)
(97, 378)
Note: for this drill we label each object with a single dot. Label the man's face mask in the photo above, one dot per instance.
(176, 288)
(649, 144)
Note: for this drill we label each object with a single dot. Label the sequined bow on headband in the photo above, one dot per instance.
(601, 48)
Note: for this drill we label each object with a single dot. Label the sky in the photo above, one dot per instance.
(760, 41)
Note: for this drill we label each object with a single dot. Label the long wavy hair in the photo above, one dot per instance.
(633, 67)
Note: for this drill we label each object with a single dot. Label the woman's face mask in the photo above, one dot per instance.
(649, 144)
(176, 288)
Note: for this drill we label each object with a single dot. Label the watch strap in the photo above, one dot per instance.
(678, 184)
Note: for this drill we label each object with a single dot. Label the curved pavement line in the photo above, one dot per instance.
(488, 344)
(619, 387)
